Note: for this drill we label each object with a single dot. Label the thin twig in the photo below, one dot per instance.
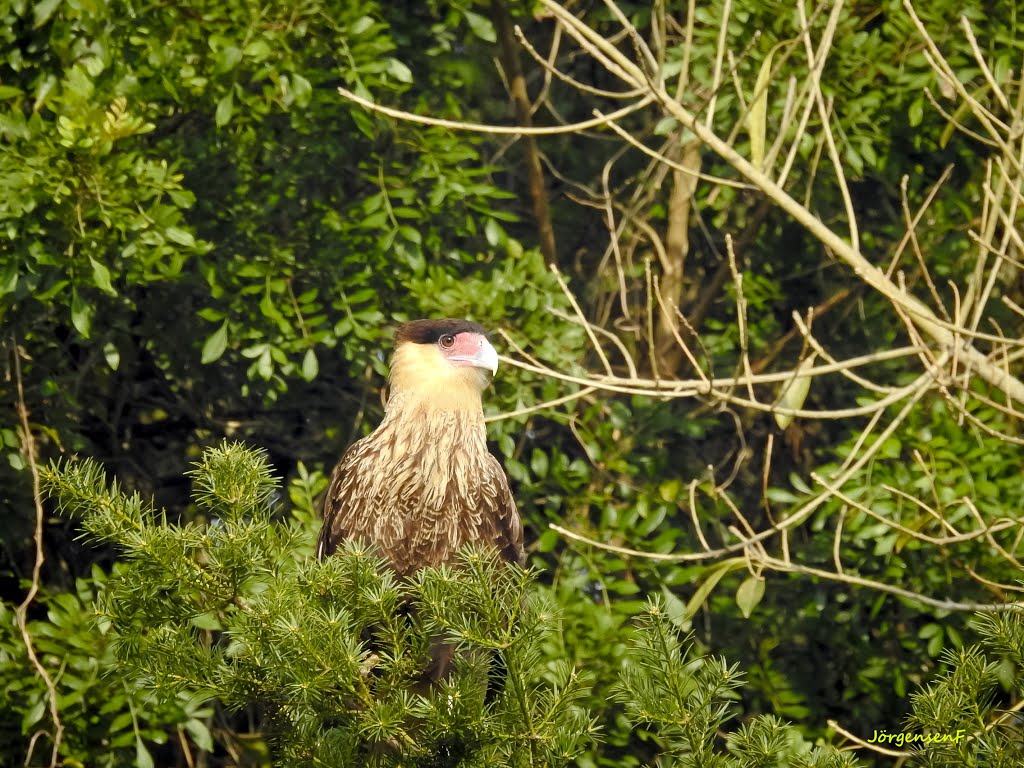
(28, 451)
(835, 726)
(459, 125)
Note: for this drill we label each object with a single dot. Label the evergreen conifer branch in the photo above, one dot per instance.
(331, 654)
(965, 707)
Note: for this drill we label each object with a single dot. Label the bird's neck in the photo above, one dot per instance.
(443, 433)
(421, 387)
(462, 403)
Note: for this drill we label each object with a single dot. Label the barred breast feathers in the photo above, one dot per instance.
(423, 484)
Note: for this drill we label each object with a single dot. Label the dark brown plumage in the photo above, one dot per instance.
(423, 484)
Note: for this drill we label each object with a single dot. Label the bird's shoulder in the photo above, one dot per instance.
(340, 503)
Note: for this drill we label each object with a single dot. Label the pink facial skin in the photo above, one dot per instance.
(469, 350)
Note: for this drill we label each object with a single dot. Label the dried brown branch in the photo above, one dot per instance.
(505, 30)
(28, 452)
(922, 316)
(673, 266)
(656, 296)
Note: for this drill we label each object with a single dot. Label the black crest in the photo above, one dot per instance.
(429, 331)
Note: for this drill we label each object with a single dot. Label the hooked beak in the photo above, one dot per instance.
(486, 357)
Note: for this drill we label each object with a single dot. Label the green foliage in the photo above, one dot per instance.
(199, 239)
(188, 198)
(333, 652)
(110, 718)
(970, 694)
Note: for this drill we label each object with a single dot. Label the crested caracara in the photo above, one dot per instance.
(423, 484)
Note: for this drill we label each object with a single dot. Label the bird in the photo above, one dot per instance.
(423, 484)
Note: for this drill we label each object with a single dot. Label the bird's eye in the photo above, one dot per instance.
(447, 341)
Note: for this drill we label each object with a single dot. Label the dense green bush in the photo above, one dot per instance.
(199, 239)
(232, 612)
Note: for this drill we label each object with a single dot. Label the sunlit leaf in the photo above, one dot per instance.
(794, 392)
(225, 108)
(111, 355)
(715, 575)
(216, 344)
(749, 594)
(81, 313)
(101, 276)
(180, 236)
(399, 71)
(310, 365)
(757, 115)
(481, 26)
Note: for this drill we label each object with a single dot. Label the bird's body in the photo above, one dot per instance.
(423, 484)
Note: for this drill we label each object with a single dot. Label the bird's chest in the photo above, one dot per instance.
(424, 496)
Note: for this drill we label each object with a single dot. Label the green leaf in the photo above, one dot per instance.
(794, 392)
(43, 10)
(539, 463)
(665, 126)
(676, 610)
(399, 71)
(208, 620)
(265, 365)
(302, 90)
(200, 734)
(101, 277)
(268, 308)
(749, 594)
(111, 355)
(228, 58)
(225, 108)
(81, 313)
(258, 50)
(360, 25)
(142, 757)
(481, 26)
(180, 236)
(34, 715)
(8, 278)
(915, 113)
(216, 344)
(493, 232)
(9, 92)
(310, 365)
(714, 576)
(757, 116)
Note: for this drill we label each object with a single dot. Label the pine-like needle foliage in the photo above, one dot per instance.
(687, 699)
(967, 706)
(330, 655)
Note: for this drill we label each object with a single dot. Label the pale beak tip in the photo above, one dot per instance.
(489, 357)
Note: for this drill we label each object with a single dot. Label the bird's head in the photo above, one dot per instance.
(448, 362)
